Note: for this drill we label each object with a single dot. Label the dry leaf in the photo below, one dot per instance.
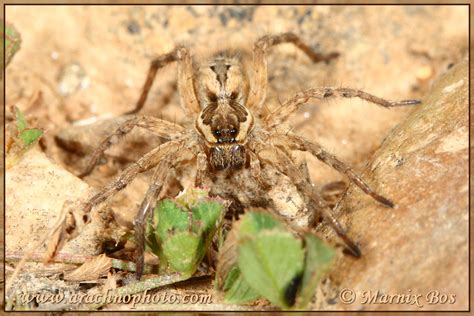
(111, 282)
(90, 270)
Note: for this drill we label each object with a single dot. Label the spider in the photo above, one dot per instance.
(236, 145)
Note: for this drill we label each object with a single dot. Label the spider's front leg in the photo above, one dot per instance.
(167, 164)
(259, 87)
(147, 205)
(75, 215)
(159, 127)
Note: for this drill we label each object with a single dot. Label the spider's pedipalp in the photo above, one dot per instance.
(292, 104)
(201, 169)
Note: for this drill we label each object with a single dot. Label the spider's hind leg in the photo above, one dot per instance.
(157, 63)
(298, 143)
(285, 166)
(267, 41)
(333, 192)
(321, 93)
(182, 56)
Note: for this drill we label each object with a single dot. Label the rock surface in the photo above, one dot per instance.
(421, 246)
(36, 189)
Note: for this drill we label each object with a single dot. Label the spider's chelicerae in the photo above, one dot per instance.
(234, 143)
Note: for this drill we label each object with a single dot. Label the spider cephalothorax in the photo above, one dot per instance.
(224, 97)
(224, 122)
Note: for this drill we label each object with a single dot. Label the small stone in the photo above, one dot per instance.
(133, 27)
(72, 77)
(424, 73)
(54, 55)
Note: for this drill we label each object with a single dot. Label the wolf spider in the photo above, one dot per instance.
(231, 137)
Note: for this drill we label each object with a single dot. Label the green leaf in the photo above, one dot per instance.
(12, 42)
(20, 120)
(237, 291)
(151, 239)
(319, 257)
(205, 216)
(270, 261)
(253, 222)
(184, 252)
(168, 218)
(29, 136)
(179, 236)
(190, 197)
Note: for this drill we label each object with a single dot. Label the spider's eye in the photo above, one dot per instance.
(233, 131)
(211, 96)
(234, 95)
(216, 132)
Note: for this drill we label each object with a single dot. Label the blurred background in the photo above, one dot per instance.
(80, 62)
